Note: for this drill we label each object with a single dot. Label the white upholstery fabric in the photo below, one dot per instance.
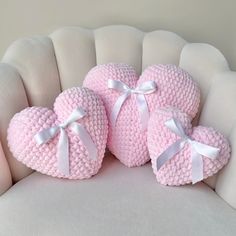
(75, 54)
(35, 61)
(119, 44)
(162, 47)
(117, 201)
(5, 174)
(12, 99)
(202, 61)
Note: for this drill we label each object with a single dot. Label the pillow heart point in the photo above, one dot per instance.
(204, 152)
(68, 142)
(127, 139)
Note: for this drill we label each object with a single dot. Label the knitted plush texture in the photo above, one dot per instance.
(26, 124)
(127, 141)
(178, 170)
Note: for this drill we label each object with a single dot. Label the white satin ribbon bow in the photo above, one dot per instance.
(144, 88)
(63, 144)
(197, 150)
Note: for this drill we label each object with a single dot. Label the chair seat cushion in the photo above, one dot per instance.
(117, 201)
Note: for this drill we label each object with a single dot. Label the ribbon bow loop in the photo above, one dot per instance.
(147, 87)
(197, 150)
(63, 160)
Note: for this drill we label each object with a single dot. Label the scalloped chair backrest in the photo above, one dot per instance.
(35, 70)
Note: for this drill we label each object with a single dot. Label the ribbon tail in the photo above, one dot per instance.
(116, 109)
(198, 151)
(143, 110)
(197, 166)
(169, 153)
(206, 150)
(46, 135)
(63, 153)
(86, 140)
(176, 127)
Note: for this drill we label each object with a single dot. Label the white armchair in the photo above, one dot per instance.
(118, 200)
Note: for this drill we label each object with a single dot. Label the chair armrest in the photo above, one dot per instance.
(12, 99)
(5, 174)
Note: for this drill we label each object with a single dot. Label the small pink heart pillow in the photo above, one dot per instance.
(169, 85)
(164, 136)
(86, 135)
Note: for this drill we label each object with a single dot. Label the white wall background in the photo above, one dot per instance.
(211, 21)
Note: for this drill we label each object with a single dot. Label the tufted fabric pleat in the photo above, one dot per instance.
(161, 47)
(75, 53)
(36, 63)
(119, 44)
(12, 99)
(202, 61)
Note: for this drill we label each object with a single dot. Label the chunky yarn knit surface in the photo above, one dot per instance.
(27, 123)
(178, 170)
(175, 87)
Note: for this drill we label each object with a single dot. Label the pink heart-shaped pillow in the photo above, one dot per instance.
(127, 139)
(186, 165)
(86, 134)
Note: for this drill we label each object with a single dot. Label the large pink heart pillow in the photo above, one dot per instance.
(129, 100)
(181, 154)
(67, 142)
